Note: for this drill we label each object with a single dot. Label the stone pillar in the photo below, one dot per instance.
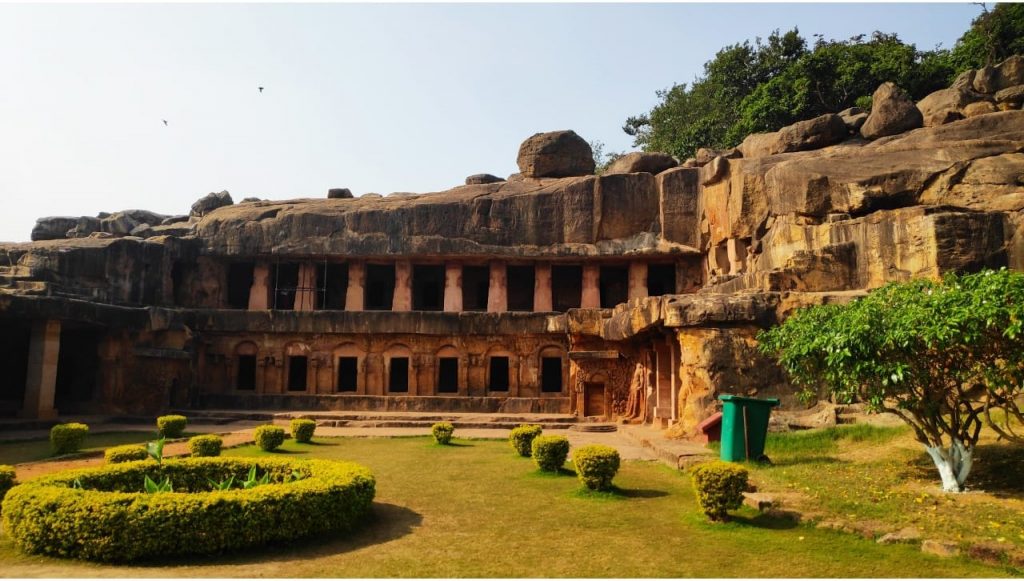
(591, 287)
(453, 287)
(736, 251)
(637, 280)
(497, 294)
(41, 380)
(542, 301)
(663, 383)
(259, 292)
(403, 287)
(354, 294)
(305, 295)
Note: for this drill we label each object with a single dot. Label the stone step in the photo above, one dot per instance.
(393, 419)
(15, 271)
(458, 424)
(587, 427)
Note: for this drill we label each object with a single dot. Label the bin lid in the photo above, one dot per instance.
(769, 401)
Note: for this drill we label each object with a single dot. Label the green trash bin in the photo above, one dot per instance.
(744, 426)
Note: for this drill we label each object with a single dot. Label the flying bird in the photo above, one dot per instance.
(165, 122)
(260, 88)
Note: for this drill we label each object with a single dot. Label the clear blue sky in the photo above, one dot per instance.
(376, 98)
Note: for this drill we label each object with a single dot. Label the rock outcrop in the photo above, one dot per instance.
(640, 161)
(210, 202)
(556, 154)
(339, 193)
(892, 112)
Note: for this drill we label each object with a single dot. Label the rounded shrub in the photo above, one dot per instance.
(205, 445)
(302, 430)
(171, 426)
(269, 437)
(127, 453)
(719, 486)
(442, 432)
(7, 479)
(110, 519)
(521, 438)
(550, 452)
(67, 438)
(596, 465)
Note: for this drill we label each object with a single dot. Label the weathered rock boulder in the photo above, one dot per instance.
(122, 223)
(483, 178)
(947, 105)
(892, 112)
(979, 108)
(1006, 74)
(706, 154)
(53, 227)
(174, 219)
(556, 154)
(853, 118)
(802, 136)
(339, 193)
(1013, 95)
(642, 161)
(210, 202)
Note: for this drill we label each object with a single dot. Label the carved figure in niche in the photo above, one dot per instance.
(639, 388)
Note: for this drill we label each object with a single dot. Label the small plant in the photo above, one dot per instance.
(521, 438)
(269, 437)
(550, 452)
(719, 487)
(67, 438)
(152, 487)
(205, 445)
(442, 432)
(171, 426)
(252, 482)
(7, 479)
(302, 430)
(596, 465)
(156, 450)
(223, 484)
(77, 484)
(295, 476)
(128, 453)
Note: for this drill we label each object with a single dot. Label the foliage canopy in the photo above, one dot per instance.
(941, 355)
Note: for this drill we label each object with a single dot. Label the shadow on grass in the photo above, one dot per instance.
(561, 472)
(616, 493)
(284, 451)
(386, 522)
(320, 443)
(764, 521)
(454, 444)
(998, 469)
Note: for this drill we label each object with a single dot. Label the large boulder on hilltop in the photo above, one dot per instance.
(947, 105)
(641, 161)
(1013, 95)
(801, 136)
(339, 193)
(853, 118)
(892, 112)
(53, 227)
(979, 108)
(482, 178)
(1004, 75)
(706, 154)
(211, 202)
(556, 154)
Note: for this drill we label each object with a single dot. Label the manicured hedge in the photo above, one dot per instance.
(269, 437)
(521, 438)
(596, 465)
(442, 432)
(126, 453)
(171, 426)
(110, 519)
(719, 487)
(67, 438)
(6, 479)
(205, 445)
(302, 430)
(550, 452)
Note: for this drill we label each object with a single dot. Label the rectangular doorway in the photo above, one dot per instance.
(297, 365)
(593, 399)
(398, 375)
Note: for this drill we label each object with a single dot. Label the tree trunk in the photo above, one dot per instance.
(954, 464)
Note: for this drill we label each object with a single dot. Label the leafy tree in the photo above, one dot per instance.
(940, 355)
(994, 35)
(601, 159)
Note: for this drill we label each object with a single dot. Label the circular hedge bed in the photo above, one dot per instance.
(110, 518)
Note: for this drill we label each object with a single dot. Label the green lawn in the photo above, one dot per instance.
(477, 510)
(863, 473)
(31, 450)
